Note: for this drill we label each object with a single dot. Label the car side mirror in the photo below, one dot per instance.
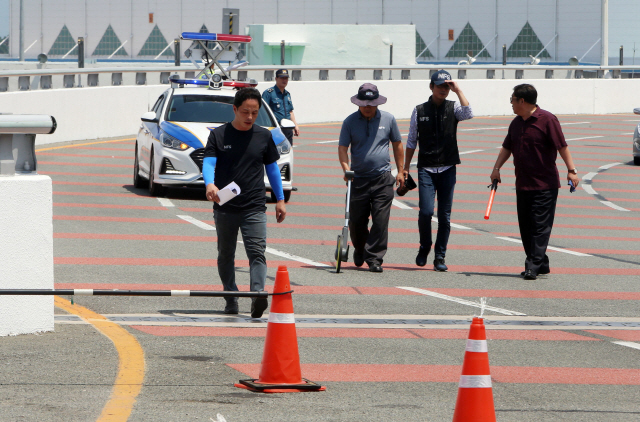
(150, 117)
(287, 124)
(636, 110)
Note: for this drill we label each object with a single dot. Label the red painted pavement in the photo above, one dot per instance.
(451, 373)
(398, 333)
(626, 335)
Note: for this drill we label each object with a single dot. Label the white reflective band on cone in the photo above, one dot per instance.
(477, 346)
(282, 318)
(180, 293)
(475, 381)
(83, 292)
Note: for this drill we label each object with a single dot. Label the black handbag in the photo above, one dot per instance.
(409, 184)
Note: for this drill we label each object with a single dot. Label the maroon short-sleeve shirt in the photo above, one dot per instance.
(534, 144)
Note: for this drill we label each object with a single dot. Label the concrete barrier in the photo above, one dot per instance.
(104, 112)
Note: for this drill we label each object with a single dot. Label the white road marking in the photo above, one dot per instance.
(589, 176)
(471, 152)
(460, 301)
(454, 225)
(627, 344)
(196, 222)
(608, 166)
(553, 248)
(401, 205)
(588, 189)
(165, 202)
(586, 137)
(614, 206)
(574, 123)
(484, 128)
(328, 142)
(295, 257)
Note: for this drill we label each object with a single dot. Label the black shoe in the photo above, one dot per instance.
(421, 258)
(438, 265)
(375, 268)
(258, 306)
(232, 306)
(542, 271)
(530, 275)
(358, 258)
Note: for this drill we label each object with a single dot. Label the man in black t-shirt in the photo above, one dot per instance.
(239, 152)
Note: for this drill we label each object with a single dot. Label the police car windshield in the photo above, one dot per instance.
(208, 109)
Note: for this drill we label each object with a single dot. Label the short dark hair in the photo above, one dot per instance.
(527, 92)
(245, 94)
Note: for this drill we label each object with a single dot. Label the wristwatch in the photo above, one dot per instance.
(574, 171)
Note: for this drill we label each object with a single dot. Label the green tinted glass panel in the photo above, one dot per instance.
(63, 44)
(4, 48)
(202, 30)
(108, 44)
(155, 44)
(526, 43)
(467, 41)
(421, 45)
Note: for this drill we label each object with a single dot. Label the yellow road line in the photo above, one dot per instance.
(130, 367)
(89, 143)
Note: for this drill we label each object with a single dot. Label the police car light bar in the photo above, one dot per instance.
(205, 82)
(199, 36)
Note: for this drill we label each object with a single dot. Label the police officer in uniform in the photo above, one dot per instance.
(279, 101)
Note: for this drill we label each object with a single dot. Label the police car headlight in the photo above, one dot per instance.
(169, 141)
(284, 147)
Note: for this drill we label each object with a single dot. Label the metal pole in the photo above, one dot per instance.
(80, 52)
(504, 54)
(604, 58)
(282, 53)
(21, 42)
(621, 55)
(176, 50)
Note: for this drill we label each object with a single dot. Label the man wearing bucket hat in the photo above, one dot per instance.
(433, 131)
(279, 101)
(368, 132)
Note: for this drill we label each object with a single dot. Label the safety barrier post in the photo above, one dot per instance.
(26, 243)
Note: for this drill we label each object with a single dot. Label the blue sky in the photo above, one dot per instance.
(4, 18)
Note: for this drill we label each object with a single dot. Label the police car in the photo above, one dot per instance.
(170, 144)
(636, 141)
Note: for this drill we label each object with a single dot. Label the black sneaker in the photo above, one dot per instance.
(421, 258)
(358, 258)
(542, 271)
(530, 275)
(258, 306)
(438, 265)
(232, 306)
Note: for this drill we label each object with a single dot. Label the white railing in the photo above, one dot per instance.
(23, 80)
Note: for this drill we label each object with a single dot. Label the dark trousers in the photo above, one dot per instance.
(253, 226)
(371, 196)
(288, 133)
(430, 184)
(536, 211)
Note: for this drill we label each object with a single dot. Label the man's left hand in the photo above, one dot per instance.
(281, 211)
(296, 131)
(400, 180)
(574, 178)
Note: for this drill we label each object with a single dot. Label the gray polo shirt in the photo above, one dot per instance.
(369, 141)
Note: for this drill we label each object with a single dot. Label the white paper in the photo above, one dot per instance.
(228, 192)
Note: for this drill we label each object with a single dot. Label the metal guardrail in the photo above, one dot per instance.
(24, 80)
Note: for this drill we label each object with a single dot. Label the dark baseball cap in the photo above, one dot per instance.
(368, 95)
(440, 77)
(282, 73)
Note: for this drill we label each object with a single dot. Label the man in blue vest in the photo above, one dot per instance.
(433, 130)
(279, 101)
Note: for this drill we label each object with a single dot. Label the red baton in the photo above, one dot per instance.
(494, 188)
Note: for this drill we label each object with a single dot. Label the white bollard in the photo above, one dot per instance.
(26, 227)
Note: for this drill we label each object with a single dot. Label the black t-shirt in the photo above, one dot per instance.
(241, 157)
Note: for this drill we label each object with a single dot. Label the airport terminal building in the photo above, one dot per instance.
(446, 30)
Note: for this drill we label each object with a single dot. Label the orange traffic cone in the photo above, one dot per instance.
(475, 396)
(280, 371)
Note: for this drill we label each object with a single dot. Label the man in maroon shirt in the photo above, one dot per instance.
(534, 139)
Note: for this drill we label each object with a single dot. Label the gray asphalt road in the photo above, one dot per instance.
(563, 347)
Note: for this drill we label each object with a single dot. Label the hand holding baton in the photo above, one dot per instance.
(494, 188)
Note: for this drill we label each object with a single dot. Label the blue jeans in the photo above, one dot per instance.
(430, 184)
(253, 226)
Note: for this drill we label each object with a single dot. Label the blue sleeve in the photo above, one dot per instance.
(273, 173)
(209, 170)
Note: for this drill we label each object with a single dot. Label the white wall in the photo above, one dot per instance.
(91, 113)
